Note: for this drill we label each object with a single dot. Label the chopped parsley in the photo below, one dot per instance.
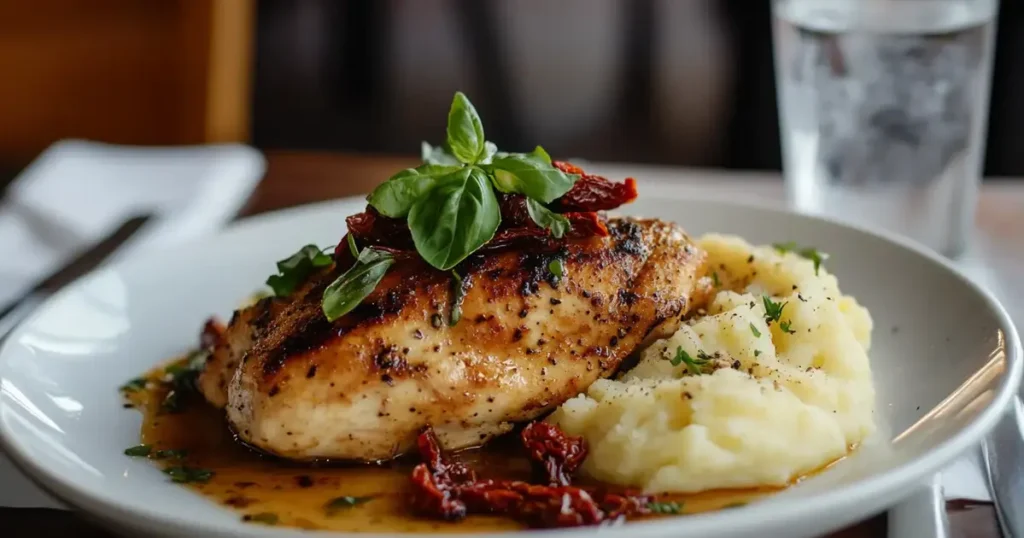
(785, 326)
(347, 501)
(557, 268)
(757, 352)
(772, 310)
(138, 451)
(134, 385)
(185, 475)
(664, 507)
(715, 280)
(695, 366)
(266, 518)
(183, 378)
(810, 253)
(169, 454)
(757, 333)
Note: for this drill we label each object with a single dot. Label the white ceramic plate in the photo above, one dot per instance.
(945, 356)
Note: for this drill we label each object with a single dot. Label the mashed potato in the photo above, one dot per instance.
(735, 399)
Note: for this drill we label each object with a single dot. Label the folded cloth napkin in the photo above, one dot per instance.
(77, 192)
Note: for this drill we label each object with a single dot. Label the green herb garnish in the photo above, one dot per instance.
(138, 451)
(714, 279)
(184, 475)
(458, 293)
(352, 246)
(184, 379)
(349, 289)
(342, 503)
(757, 352)
(665, 507)
(170, 453)
(695, 366)
(450, 201)
(785, 327)
(555, 223)
(293, 270)
(455, 218)
(134, 385)
(556, 267)
(773, 310)
(810, 253)
(757, 333)
(266, 518)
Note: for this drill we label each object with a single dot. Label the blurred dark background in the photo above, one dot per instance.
(683, 82)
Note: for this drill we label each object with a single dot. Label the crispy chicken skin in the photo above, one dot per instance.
(363, 387)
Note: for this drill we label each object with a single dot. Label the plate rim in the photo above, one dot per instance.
(906, 475)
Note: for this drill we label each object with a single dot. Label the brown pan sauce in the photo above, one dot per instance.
(339, 497)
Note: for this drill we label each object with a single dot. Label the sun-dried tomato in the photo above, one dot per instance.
(593, 193)
(555, 454)
(580, 205)
(449, 490)
(372, 228)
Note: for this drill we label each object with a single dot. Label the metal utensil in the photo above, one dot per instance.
(922, 514)
(16, 310)
(1003, 451)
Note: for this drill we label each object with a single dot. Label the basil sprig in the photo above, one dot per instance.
(454, 219)
(293, 270)
(349, 289)
(450, 201)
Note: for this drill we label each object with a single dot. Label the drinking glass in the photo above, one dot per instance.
(883, 109)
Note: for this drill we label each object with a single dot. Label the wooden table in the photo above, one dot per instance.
(299, 178)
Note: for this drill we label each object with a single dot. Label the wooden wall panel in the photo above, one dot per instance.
(124, 71)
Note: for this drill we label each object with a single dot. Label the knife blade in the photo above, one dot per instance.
(89, 259)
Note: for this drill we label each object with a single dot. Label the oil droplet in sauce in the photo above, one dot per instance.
(352, 498)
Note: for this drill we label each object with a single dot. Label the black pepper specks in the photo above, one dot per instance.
(304, 481)
(311, 373)
(555, 301)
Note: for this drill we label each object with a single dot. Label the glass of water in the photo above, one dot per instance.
(883, 109)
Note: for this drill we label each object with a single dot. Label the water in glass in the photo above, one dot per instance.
(883, 109)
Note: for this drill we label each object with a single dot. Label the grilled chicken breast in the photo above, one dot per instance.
(363, 387)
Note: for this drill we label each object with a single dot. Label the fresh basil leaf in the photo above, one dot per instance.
(394, 197)
(456, 218)
(437, 155)
(349, 289)
(293, 270)
(352, 245)
(490, 150)
(530, 174)
(557, 224)
(465, 131)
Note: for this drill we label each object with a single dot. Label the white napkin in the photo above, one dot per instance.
(77, 192)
